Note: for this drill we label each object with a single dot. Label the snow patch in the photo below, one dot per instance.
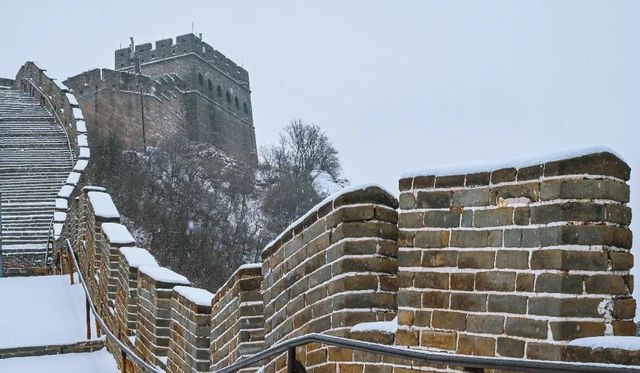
(103, 205)
(85, 153)
(72, 99)
(59, 217)
(324, 184)
(619, 342)
(163, 274)
(82, 141)
(81, 127)
(138, 257)
(117, 233)
(77, 113)
(470, 168)
(198, 296)
(65, 191)
(250, 266)
(81, 165)
(390, 327)
(73, 179)
(62, 204)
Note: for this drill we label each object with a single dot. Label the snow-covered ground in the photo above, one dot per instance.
(39, 311)
(94, 362)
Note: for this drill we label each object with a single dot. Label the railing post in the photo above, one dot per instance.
(70, 265)
(123, 362)
(87, 310)
(291, 360)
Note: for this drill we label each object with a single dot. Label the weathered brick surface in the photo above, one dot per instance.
(335, 269)
(190, 330)
(516, 262)
(237, 318)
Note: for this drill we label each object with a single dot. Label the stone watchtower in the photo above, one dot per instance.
(183, 85)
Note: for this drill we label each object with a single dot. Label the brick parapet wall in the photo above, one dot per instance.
(154, 315)
(334, 268)
(516, 262)
(190, 330)
(237, 323)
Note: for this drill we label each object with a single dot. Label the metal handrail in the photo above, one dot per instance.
(132, 355)
(1, 260)
(467, 361)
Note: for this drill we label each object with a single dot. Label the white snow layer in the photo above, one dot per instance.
(470, 168)
(163, 274)
(25, 302)
(314, 209)
(93, 188)
(117, 233)
(95, 362)
(103, 205)
(85, 153)
(59, 216)
(73, 179)
(138, 257)
(390, 327)
(77, 113)
(65, 191)
(61, 204)
(324, 184)
(82, 141)
(81, 127)
(72, 99)
(250, 265)
(198, 296)
(623, 343)
(81, 165)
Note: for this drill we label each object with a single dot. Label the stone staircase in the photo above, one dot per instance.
(35, 161)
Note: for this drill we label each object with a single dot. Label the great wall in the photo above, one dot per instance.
(515, 261)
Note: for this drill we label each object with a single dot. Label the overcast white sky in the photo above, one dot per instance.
(397, 85)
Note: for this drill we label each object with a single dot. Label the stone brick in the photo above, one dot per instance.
(475, 345)
(568, 330)
(405, 184)
(486, 324)
(543, 351)
(527, 328)
(606, 284)
(434, 199)
(624, 308)
(470, 197)
(527, 190)
(441, 219)
(409, 258)
(477, 179)
(604, 163)
(469, 302)
(449, 320)
(596, 235)
(496, 281)
(467, 219)
(627, 328)
(469, 238)
(525, 281)
(503, 175)
(584, 189)
(618, 214)
(521, 216)
(493, 217)
(462, 281)
(438, 339)
(476, 259)
(432, 280)
(530, 172)
(432, 239)
(559, 283)
(514, 259)
(423, 182)
(423, 318)
(449, 181)
(565, 307)
(410, 219)
(568, 211)
(406, 337)
(439, 258)
(507, 303)
(510, 347)
(435, 299)
(621, 261)
(546, 259)
(407, 201)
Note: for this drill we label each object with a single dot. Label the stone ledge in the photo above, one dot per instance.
(88, 346)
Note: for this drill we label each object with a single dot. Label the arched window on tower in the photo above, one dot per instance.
(210, 85)
(219, 91)
(228, 97)
(237, 103)
(200, 79)
(245, 108)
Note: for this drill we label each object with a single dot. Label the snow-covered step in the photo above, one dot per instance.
(35, 162)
